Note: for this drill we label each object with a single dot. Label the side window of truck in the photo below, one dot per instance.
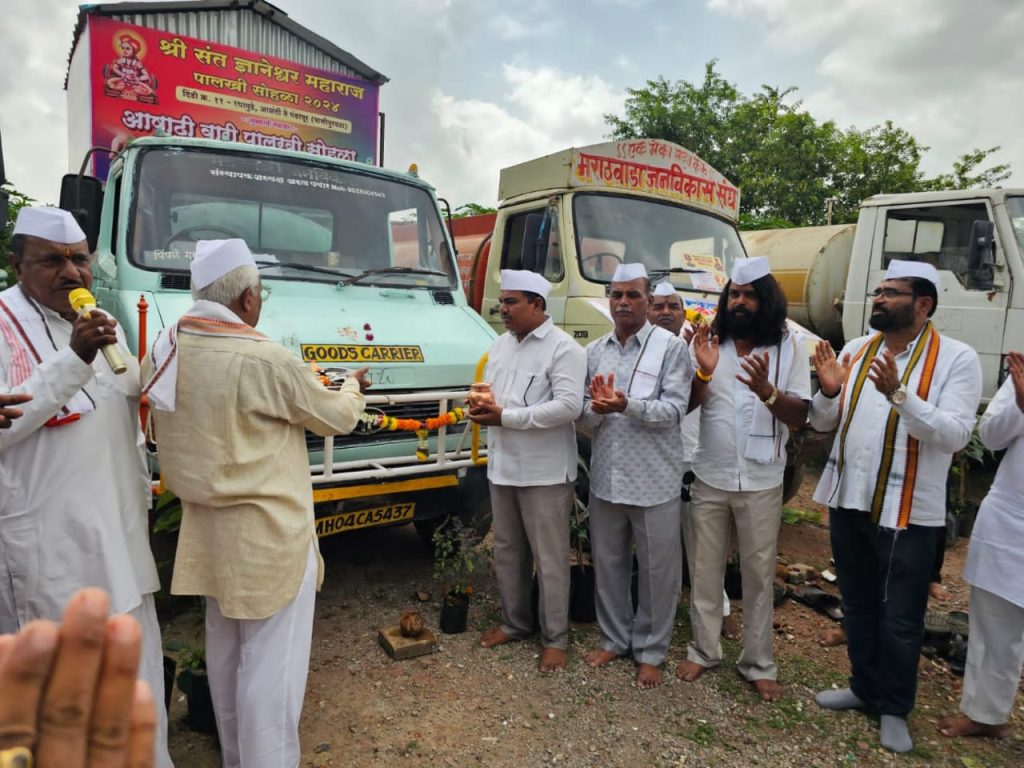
(941, 236)
(533, 244)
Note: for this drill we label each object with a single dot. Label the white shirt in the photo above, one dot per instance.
(942, 424)
(995, 560)
(73, 498)
(726, 417)
(538, 382)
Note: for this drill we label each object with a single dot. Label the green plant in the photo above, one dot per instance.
(167, 513)
(972, 454)
(458, 554)
(579, 531)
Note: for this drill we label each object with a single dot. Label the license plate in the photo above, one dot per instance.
(364, 518)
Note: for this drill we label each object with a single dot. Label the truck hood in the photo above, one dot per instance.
(406, 339)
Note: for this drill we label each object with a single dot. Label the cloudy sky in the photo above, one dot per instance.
(480, 84)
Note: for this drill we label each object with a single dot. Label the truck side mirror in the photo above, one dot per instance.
(82, 197)
(4, 200)
(982, 245)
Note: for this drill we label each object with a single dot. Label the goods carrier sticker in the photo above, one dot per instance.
(360, 353)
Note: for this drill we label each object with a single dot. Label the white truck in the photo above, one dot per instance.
(975, 238)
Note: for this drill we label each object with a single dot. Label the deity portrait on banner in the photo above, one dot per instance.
(126, 77)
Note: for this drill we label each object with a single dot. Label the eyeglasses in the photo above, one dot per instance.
(265, 293)
(888, 293)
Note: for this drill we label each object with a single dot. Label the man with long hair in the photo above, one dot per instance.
(752, 383)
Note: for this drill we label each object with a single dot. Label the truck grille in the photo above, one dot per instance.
(420, 411)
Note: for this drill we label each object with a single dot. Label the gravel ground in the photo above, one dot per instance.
(466, 706)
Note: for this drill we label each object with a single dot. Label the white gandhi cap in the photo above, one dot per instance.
(54, 224)
(624, 273)
(215, 258)
(746, 271)
(904, 270)
(664, 288)
(524, 280)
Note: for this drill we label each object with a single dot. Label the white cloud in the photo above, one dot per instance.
(538, 112)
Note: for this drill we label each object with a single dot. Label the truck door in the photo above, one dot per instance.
(531, 239)
(974, 294)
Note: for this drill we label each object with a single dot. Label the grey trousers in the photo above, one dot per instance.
(995, 657)
(758, 515)
(614, 528)
(531, 529)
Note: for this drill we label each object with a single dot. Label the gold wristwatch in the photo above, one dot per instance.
(770, 400)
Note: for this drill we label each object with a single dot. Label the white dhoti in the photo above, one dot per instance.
(151, 669)
(995, 657)
(257, 670)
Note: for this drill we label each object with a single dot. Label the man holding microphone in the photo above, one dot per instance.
(74, 488)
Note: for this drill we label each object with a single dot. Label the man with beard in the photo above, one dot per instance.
(635, 476)
(903, 400)
(751, 384)
(667, 311)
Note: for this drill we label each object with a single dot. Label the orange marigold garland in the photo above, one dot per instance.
(422, 429)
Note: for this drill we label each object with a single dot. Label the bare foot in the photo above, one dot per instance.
(600, 657)
(730, 627)
(495, 636)
(962, 725)
(768, 690)
(832, 637)
(647, 676)
(689, 671)
(552, 660)
(938, 592)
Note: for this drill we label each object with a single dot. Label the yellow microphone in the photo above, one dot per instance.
(84, 303)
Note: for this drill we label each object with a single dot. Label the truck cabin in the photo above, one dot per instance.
(307, 221)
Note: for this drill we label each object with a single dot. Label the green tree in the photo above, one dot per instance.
(789, 166)
(471, 209)
(16, 202)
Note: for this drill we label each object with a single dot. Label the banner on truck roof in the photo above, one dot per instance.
(144, 80)
(659, 168)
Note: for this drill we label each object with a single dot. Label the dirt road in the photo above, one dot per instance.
(467, 706)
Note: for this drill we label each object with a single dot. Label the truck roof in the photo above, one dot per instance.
(994, 193)
(267, 29)
(639, 166)
(305, 157)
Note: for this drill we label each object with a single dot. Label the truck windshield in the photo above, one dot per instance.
(694, 250)
(306, 221)
(1015, 207)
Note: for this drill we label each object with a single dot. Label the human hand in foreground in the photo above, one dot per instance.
(705, 349)
(831, 371)
(884, 373)
(89, 334)
(69, 693)
(363, 377)
(604, 397)
(1015, 363)
(486, 414)
(8, 413)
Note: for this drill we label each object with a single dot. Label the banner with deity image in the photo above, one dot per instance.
(144, 80)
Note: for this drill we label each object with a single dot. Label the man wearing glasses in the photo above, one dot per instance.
(74, 487)
(902, 400)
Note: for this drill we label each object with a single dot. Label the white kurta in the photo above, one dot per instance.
(73, 498)
(995, 560)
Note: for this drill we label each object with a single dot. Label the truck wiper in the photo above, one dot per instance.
(302, 268)
(392, 271)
